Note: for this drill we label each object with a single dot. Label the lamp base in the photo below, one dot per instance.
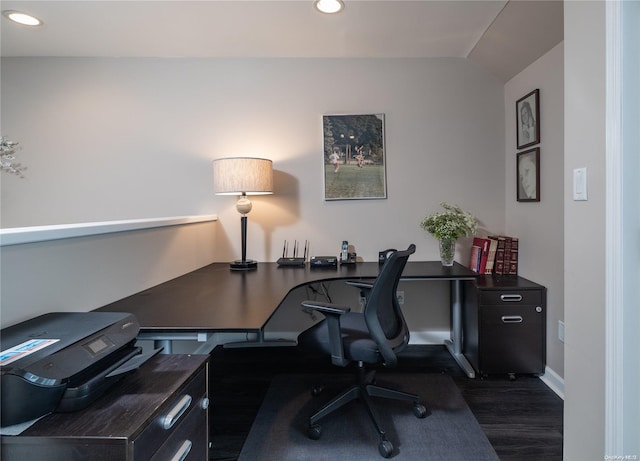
(241, 265)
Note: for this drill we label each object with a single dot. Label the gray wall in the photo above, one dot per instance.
(81, 274)
(540, 225)
(111, 139)
(584, 249)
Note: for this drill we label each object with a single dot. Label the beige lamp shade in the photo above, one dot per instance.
(242, 175)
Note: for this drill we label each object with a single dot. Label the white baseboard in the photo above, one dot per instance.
(429, 337)
(554, 381)
(417, 337)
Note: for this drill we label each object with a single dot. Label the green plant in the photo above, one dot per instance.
(7, 157)
(450, 224)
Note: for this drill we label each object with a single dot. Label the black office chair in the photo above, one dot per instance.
(373, 337)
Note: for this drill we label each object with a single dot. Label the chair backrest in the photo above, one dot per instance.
(382, 311)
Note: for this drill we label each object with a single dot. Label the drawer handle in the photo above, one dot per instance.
(511, 319)
(174, 414)
(183, 451)
(511, 298)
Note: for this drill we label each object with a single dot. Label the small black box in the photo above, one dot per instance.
(323, 261)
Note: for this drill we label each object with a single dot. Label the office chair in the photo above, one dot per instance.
(373, 337)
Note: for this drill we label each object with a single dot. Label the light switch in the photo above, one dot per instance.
(580, 184)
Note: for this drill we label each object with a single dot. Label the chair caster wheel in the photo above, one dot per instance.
(314, 431)
(419, 410)
(385, 448)
(317, 390)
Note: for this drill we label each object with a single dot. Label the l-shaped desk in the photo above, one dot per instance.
(216, 299)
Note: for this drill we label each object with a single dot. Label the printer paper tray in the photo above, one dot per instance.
(82, 395)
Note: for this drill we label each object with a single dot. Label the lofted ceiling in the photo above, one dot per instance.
(502, 36)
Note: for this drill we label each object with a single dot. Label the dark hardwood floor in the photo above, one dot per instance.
(522, 418)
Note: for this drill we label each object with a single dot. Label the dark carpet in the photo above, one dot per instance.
(450, 431)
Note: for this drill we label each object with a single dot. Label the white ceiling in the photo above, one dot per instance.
(502, 36)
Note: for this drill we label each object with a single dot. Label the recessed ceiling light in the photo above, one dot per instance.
(22, 18)
(328, 6)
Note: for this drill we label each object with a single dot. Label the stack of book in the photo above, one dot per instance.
(495, 254)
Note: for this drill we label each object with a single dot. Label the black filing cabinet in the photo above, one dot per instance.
(504, 319)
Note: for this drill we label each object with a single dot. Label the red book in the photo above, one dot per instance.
(484, 244)
(474, 258)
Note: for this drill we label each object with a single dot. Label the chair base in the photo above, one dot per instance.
(364, 390)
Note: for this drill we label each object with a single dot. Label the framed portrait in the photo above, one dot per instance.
(528, 175)
(528, 119)
(354, 157)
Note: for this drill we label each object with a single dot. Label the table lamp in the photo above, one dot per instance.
(243, 176)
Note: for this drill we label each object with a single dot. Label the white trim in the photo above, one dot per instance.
(429, 337)
(614, 340)
(554, 381)
(20, 235)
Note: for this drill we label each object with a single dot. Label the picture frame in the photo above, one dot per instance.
(528, 120)
(528, 175)
(354, 157)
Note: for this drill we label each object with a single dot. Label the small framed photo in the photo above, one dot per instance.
(354, 157)
(528, 175)
(528, 119)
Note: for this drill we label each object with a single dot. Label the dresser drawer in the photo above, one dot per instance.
(140, 417)
(511, 297)
(189, 440)
(512, 339)
(171, 416)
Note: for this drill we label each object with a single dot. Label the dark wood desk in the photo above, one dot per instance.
(216, 299)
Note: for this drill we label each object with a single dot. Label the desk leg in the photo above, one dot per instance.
(165, 344)
(259, 342)
(455, 344)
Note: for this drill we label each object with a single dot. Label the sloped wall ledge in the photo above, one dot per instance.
(21, 235)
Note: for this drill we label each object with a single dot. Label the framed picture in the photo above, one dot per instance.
(528, 119)
(528, 175)
(354, 157)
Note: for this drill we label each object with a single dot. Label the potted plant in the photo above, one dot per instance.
(447, 226)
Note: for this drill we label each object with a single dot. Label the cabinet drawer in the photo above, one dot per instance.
(512, 339)
(511, 297)
(189, 441)
(170, 417)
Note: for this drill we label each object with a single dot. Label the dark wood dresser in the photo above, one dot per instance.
(504, 320)
(159, 412)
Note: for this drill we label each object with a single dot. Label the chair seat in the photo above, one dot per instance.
(358, 344)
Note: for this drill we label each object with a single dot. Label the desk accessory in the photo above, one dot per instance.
(323, 261)
(294, 261)
(351, 259)
(243, 176)
(344, 253)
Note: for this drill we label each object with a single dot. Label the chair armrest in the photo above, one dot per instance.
(332, 313)
(360, 284)
(326, 308)
(365, 287)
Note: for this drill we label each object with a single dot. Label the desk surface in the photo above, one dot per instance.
(214, 298)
